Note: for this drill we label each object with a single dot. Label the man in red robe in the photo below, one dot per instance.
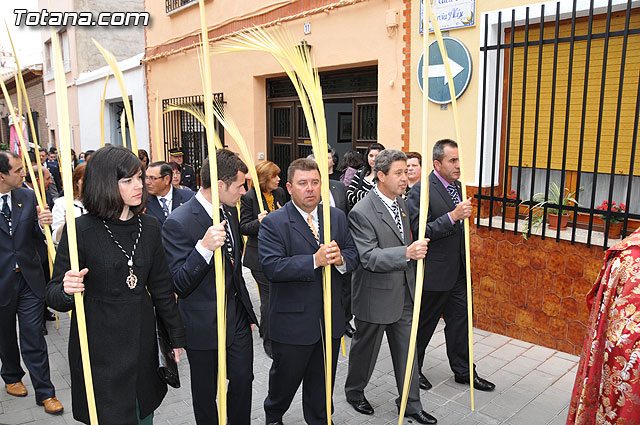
(607, 388)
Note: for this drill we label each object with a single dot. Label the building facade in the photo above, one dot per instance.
(81, 56)
(357, 47)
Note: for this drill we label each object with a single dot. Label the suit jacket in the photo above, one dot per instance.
(47, 193)
(286, 246)
(180, 196)
(379, 284)
(446, 246)
(21, 247)
(249, 224)
(188, 177)
(339, 193)
(55, 175)
(194, 279)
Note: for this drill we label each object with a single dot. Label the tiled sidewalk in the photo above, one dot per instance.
(533, 386)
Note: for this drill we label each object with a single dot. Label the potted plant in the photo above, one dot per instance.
(615, 222)
(556, 197)
(509, 207)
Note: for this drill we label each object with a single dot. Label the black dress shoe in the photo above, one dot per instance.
(422, 417)
(424, 383)
(478, 383)
(349, 330)
(49, 316)
(362, 406)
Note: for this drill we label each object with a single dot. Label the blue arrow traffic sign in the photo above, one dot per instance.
(460, 64)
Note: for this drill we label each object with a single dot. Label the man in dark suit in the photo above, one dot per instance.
(163, 197)
(55, 173)
(339, 200)
(188, 174)
(190, 240)
(293, 251)
(22, 286)
(445, 283)
(52, 157)
(384, 284)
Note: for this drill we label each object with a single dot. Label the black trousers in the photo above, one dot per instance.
(203, 365)
(295, 364)
(30, 312)
(452, 306)
(263, 288)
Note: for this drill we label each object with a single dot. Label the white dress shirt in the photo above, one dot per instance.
(169, 198)
(314, 217)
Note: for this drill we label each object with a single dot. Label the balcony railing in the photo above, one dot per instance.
(171, 5)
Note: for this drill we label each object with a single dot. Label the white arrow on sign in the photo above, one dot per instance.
(436, 71)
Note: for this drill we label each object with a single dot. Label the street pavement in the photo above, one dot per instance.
(533, 385)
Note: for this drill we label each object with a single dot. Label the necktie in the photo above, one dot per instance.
(396, 216)
(165, 207)
(313, 228)
(228, 242)
(453, 192)
(6, 211)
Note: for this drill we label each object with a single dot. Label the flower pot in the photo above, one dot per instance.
(615, 229)
(510, 212)
(553, 221)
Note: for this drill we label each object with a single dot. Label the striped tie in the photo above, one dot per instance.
(396, 217)
(227, 243)
(453, 192)
(313, 228)
(6, 211)
(165, 207)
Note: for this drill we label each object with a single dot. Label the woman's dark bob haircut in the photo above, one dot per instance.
(100, 192)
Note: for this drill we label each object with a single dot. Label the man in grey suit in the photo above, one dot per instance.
(339, 200)
(445, 292)
(384, 284)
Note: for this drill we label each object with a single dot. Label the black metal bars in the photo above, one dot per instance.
(535, 115)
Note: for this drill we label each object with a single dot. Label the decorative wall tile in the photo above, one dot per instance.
(533, 290)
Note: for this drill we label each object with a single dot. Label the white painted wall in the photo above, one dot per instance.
(90, 89)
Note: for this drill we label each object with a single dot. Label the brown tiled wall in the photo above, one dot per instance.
(533, 290)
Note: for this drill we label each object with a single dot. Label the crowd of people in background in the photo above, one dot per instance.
(146, 243)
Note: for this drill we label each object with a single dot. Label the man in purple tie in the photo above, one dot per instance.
(445, 292)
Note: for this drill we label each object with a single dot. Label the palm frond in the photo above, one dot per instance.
(62, 104)
(113, 63)
(297, 63)
(233, 130)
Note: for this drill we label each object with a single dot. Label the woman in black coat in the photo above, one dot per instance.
(120, 295)
(273, 197)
